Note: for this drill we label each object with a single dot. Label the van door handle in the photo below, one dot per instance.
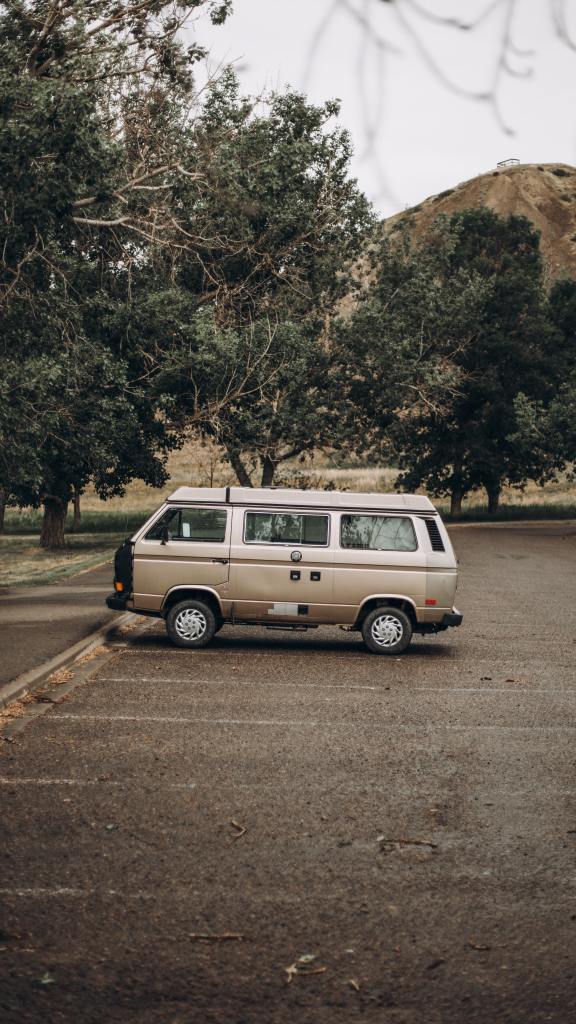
(221, 561)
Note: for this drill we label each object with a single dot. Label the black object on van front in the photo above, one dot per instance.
(123, 564)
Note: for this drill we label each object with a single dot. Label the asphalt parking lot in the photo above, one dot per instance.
(287, 828)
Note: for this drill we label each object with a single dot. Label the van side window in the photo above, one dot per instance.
(377, 533)
(194, 524)
(282, 528)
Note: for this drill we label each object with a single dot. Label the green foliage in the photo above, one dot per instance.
(470, 303)
(272, 212)
(83, 108)
(164, 263)
(244, 355)
(547, 426)
(400, 350)
(259, 390)
(474, 443)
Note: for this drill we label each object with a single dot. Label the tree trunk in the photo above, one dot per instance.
(239, 468)
(52, 535)
(493, 492)
(268, 470)
(456, 502)
(77, 513)
(457, 492)
(3, 500)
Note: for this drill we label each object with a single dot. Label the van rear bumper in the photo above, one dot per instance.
(117, 602)
(453, 618)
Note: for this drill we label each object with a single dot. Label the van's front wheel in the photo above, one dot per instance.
(387, 631)
(190, 624)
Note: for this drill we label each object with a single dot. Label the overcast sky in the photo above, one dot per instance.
(412, 136)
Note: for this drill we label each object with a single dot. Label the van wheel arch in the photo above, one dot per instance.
(386, 602)
(194, 594)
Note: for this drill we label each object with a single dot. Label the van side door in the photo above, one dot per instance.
(186, 546)
(282, 565)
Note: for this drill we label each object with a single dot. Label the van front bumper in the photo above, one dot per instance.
(117, 602)
(453, 618)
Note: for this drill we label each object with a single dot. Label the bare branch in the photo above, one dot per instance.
(93, 222)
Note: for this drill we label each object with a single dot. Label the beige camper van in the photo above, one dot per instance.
(381, 564)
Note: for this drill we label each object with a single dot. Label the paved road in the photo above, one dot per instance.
(410, 822)
(40, 622)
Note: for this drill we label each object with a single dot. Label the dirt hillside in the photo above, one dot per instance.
(545, 193)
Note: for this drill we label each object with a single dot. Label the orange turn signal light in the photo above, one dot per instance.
(118, 586)
(430, 600)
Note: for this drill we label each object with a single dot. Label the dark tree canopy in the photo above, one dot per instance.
(80, 186)
(142, 231)
(471, 445)
(465, 308)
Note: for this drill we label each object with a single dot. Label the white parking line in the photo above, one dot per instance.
(169, 720)
(235, 682)
(58, 782)
(480, 689)
(88, 782)
(331, 686)
(262, 897)
(550, 793)
(78, 893)
(184, 721)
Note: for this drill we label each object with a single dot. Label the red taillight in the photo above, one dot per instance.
(430, 600)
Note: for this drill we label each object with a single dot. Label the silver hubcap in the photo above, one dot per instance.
(190, 624)
(387, 630)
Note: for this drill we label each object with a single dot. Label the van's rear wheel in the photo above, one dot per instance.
(387, 631)
(190, 624)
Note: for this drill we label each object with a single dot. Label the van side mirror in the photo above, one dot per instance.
(164, 536)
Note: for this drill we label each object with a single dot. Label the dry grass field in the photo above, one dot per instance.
(199, 465)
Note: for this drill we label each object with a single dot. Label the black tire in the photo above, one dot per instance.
(191, 624)
(387, 630)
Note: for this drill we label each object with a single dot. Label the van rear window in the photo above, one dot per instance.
(285, 528)
(377, 533)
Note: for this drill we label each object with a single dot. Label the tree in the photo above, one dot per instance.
(85, 107)
(285, 219)
(128, 194)
(546, 427)
(283, 213)
(86, 166)
(400, 351)
(561, 419)
(264, 393)
(472, 441)
(71, 415)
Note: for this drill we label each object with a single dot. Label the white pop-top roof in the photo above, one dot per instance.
(286, 497)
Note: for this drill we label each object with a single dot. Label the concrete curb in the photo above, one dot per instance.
(28, 681)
